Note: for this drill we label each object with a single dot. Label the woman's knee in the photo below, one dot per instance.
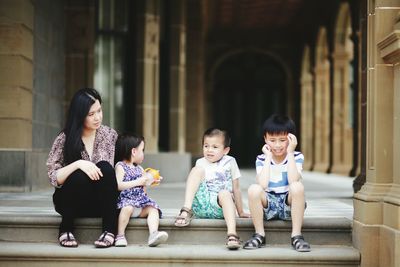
(106, 168)
(254, 191)
(108, 173)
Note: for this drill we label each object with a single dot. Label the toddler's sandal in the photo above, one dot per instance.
(120, 241)
(256, 241)
(299, 244)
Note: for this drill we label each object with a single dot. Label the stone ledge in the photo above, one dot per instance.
(167, 254)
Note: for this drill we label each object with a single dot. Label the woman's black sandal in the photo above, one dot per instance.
(256, 241)
(67, 240)
(105, 240)
(299, 244)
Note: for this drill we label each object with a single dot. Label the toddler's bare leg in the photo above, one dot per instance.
(153, 218)
(257, 202)
(123, 219)
(228, 208)
(296, 200)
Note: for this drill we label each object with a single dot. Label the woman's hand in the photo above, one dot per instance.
(292, 143)
(90, 169)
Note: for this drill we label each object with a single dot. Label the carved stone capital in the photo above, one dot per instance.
(389, 47)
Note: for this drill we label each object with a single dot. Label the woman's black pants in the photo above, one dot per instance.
(80, 196)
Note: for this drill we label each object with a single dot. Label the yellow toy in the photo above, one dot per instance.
(155, 174)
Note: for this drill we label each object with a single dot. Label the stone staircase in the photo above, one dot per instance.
(29, 228)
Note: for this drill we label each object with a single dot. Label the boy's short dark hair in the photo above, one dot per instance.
(277, 124)
(215, 131)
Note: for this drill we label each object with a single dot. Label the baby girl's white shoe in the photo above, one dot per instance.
(156, 238)
(120, 241)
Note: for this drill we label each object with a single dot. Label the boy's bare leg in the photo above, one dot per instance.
(228, 208)
(296, 200)
(193, 181)
(123, 219)
(257, 202)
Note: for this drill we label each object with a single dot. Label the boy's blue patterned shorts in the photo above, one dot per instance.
(277, 207)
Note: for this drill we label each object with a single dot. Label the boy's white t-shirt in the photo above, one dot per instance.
(278, 179)
(219, 175)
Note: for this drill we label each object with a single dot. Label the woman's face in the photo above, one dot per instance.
(94, 117)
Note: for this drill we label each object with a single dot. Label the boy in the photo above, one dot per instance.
(210, 185)
(279, 193)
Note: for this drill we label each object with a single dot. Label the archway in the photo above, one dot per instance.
(247, 87)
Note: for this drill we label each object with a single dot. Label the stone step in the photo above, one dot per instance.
(19, 254)
(44, 228)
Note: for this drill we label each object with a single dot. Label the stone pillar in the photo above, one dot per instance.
(195, 85)
(16, 90)
(16, 74)
(147, 65)
(342, 148)
(307, 110)
(80, 40)
(177, 110)
(322, 103)
(376, 228)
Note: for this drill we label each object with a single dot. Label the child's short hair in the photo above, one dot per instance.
(124, 145)
(277, 124)
(215, 131)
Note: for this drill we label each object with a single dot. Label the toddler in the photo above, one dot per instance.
(133, 200)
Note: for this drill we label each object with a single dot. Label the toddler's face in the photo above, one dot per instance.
(277, 143)
(138, 154)
(213, 148)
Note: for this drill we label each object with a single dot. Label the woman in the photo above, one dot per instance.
(80, 167)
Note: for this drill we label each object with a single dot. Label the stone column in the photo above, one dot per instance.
(307, 107)
(16, 89)
(376, 228)
(16, 74)
(79, 46)
(177, 110)
(322, 104)
(342, 154)
(147, 65)
(195, 85)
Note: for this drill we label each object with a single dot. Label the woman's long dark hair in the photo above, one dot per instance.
(78, 110)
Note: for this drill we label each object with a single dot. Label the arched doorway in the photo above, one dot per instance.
(247, 87)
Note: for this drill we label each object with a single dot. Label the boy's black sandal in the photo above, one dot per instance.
(256, 241)
(299, 244)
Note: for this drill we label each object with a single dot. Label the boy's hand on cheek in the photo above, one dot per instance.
(292, 143)
(266, 150)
